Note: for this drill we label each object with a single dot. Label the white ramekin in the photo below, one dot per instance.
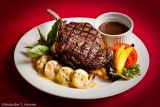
(110, 40)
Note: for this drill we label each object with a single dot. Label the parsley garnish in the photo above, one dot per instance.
(133, 71)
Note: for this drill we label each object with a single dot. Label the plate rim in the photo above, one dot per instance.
(85, 18)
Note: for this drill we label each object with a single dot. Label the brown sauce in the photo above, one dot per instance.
(113, 28)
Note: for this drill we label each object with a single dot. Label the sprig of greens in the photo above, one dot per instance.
(133, 71)
(43, 46)
(127, 73)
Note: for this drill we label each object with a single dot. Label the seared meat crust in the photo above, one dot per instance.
(80, 45)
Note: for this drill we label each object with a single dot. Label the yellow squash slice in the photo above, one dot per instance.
(117, 54)
(121, 59)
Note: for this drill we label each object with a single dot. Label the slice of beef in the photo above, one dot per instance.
(81, 46)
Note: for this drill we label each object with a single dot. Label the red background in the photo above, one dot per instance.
(19, 16)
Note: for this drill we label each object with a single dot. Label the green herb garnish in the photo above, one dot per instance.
(38, 51)
(127, 73)
(44, 45)
(53, 34)
(42, 40)
(133, 71)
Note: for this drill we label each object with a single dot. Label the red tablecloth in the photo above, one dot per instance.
(19, 16)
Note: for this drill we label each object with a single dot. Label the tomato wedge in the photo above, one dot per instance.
(132, 58)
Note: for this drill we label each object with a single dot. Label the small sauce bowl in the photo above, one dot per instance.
(109, 22)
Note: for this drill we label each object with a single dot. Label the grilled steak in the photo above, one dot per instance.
(81, 46)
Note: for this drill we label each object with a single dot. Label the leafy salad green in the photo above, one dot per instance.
(44, 44)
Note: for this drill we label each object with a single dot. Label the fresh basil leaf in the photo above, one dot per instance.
(53, 34)
(38, 51)
(42, 40)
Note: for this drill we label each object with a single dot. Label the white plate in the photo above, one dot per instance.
(103, 89)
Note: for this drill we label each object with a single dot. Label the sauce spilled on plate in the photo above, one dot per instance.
(113, 28)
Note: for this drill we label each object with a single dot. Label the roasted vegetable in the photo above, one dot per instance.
(121, 59)
(132, 58)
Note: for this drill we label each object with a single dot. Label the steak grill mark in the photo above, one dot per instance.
(81, 45)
